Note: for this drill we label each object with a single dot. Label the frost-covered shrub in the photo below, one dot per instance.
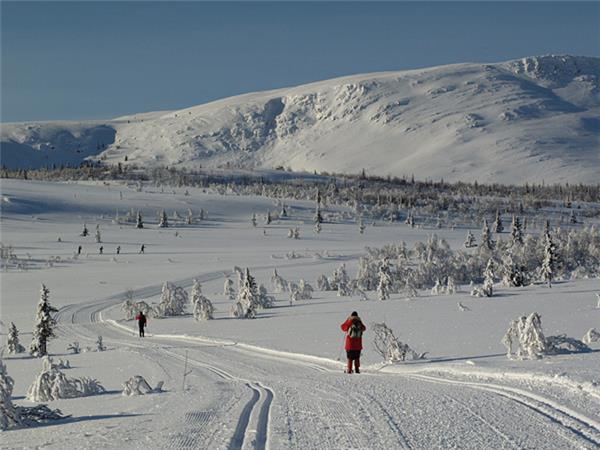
(385, 285)
(525, 333)
(12, 341)
(74, 348)
(390, 347)
(137, 385)
(52, 384)
(340, 281)
(100, 347)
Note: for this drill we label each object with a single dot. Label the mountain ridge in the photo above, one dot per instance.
(524, 120)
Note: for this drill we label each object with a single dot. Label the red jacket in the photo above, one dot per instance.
(141, 319)
(353, 343)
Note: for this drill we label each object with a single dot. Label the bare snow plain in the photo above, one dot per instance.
(276, 381)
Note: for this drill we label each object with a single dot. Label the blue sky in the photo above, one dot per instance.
(76, 60)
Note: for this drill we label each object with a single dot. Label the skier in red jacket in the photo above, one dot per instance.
(141, 320)
(354, 328)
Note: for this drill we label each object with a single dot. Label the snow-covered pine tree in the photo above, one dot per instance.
(488, 278)
(9, 413)
(278, 284)
(498, 227)
(203, 308)
(409, 285)
(202, 214)
(549, 262)
(531, 337)
(342, 281)
(516, 232)
(305, 290)
(487, 244)
(190, 217)
(228, 289)
(247, 299)
(384, 286)
(470, 240)
(172, 301)
(451, 286)
(45, 325)
(138, 221)
(513, 274)
(12, 342)
(163, 220)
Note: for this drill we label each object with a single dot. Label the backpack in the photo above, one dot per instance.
(355, 330)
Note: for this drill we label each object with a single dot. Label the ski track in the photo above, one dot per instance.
(326, 407)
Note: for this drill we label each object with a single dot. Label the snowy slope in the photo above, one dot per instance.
(525, 120)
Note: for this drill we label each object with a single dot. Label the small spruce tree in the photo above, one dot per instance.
(45, 325)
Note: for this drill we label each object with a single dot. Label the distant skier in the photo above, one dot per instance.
(354, 328)
(118, 249)
(79, 250)
(141, 320)
(101, 249)
(142, 248)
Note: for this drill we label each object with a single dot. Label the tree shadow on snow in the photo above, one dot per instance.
(463, 358)
(70, 419)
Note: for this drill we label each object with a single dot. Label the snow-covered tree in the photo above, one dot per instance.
(253, 220)
(203, 308)
(228, 289)
(172, 301)
(318, 217)
(591, 336)
(247, 299)
(264, 299)
(409, 286)
(132, 308)
(390, 347)
(137, 385)
(190, 217)
(45, 325)
(98, 234)
(513, 274)
(163, 221)
(176, 216)
(283, 212)
(278, 284)
(341, 281)
(52, 384)
(85, 231)
(498, 227)
(470, 240)
(384, 286)
(451, 286)
(268, 218)
(549, 262)
(323, 283)
(12, 342)
(410, 220)
(303, 291)
(9, 413)
(100, 347)
(487, 244)
(488, 278)
(138, 221)
(516, 232)
(526, 334)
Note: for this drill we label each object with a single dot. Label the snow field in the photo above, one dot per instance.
(275, 381)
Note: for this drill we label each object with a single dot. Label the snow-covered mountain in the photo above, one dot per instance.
(527, 120)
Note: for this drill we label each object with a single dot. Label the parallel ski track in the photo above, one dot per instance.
(585, 430)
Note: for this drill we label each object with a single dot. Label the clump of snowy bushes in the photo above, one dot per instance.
(52, 384)
(202, 307)
(525, 339)
(137, 385)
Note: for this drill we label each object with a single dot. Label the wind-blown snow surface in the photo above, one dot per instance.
(275, 382)
(521, 121)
